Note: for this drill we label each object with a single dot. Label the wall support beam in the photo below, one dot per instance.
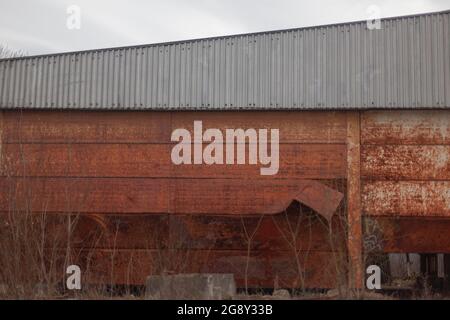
(354, 240)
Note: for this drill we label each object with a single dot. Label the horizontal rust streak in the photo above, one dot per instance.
(258, 196)
(409, 235)
(406, 162)
(151, 127)
(127, 195)
(91, 127)
(319, 161)
(295, 127)
(406, 127)
(298, 228)
(406, 198)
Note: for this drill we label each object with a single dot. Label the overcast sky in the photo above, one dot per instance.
(40, 26)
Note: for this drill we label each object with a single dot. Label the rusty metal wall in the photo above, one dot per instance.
(79, 162)
(405, 163)
(404, 65)
(114, 171)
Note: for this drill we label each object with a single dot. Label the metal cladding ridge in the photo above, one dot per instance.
(405, 64)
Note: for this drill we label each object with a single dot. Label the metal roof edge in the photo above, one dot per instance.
(225, 109)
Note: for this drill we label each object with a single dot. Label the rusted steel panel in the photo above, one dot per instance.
(154, 195)
(131, 208)
(405, 127)
(410, 235)
(407, 198)
(310, 161)
(322, 199)
(244, 197)
(86, 127)
(411, 147)
(295, 127)
(289, 250)
(151, 127)
(354, 242)
(406, 162)
(307, 270)
(298, 229)
(103, 231)
(85, 195)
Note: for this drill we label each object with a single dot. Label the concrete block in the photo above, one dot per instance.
(281, 294)
(197, 286)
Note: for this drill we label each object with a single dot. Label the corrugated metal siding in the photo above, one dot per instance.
(406, 64)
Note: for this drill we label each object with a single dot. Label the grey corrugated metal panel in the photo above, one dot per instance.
(2, 80)
(9, 82)
(446, 19)
(403, 65)
(441, 62)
